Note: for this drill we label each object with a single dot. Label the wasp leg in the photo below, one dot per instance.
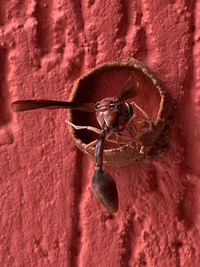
(111, 140)
(138, 144)
(144, 115)
(130, 120)
(89, 128)
(131, 128)
(93, 143)
(124, 140)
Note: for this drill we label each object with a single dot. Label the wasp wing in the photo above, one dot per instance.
(24, 105)
(129, 89)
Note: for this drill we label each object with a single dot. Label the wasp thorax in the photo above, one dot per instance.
(109, 103)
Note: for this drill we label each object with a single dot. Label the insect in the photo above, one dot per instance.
(114, 115)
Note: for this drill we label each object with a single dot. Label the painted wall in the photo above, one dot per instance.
(48, 214)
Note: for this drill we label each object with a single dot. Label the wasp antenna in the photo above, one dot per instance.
(24, 105)
(21, 105)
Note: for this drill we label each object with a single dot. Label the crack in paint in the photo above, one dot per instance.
(6, 135)
(43, 15)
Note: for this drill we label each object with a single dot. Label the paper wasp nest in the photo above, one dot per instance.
(107, 80)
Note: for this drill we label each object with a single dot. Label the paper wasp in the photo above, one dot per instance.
(114, 115)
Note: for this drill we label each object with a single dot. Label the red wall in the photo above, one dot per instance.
(48, 214)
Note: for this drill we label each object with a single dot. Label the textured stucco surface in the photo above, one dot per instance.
(48, 214)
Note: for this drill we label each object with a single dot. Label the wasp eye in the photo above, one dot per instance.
(97, 105)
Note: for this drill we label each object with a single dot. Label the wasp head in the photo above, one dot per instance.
(107, 111)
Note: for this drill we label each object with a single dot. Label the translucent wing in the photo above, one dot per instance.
(129, 89)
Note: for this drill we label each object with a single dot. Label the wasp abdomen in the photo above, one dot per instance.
(105, 189)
